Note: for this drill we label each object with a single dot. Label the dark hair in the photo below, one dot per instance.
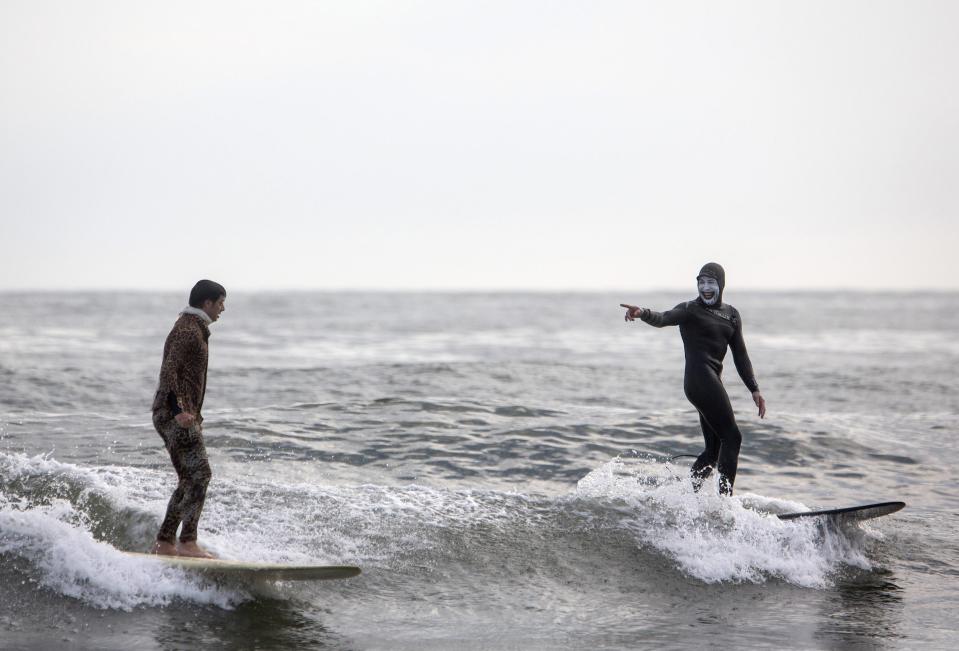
(205, 290)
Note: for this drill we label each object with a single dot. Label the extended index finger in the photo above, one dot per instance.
(626, 305)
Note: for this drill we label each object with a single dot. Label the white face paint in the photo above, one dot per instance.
(708, 290)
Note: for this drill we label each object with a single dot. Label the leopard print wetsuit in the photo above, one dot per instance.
(181, 388)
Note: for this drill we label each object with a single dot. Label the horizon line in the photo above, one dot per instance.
(474, 290)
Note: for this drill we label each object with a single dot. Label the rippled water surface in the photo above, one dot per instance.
(496, 464)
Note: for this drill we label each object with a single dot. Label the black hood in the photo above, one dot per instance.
(715, 271)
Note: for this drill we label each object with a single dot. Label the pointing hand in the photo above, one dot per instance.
(632, 312)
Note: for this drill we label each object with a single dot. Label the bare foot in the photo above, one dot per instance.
(193, 550)
(164, 548)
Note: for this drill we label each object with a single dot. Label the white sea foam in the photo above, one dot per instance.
(264, 519)
(54, 537)
(717, 539)
(68, 560)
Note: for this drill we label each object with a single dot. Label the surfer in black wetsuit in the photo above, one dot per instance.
(708, 326)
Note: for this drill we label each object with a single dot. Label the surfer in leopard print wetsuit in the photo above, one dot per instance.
(708, 326)
(178, 419)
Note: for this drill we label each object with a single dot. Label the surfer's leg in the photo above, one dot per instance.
(166, 537)
(698, 388)
(703, 466)
(724, 423)
(188, 455)
(197, 475)
(729, 459)
(708, 395)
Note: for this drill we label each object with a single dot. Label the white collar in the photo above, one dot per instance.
(195, 311)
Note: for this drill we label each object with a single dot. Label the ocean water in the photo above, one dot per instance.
(498, 465)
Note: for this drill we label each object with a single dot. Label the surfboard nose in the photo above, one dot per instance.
(862, 512)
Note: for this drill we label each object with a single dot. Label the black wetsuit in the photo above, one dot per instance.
(706, 333)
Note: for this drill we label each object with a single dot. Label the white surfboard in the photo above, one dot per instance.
(243, 569)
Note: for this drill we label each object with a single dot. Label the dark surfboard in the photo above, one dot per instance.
(849, 513)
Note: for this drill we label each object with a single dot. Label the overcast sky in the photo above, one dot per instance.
(478, 145)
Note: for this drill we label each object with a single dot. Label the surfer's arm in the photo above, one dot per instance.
(675, 316)
(743, 366)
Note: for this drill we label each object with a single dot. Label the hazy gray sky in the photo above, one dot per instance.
(514, 145)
